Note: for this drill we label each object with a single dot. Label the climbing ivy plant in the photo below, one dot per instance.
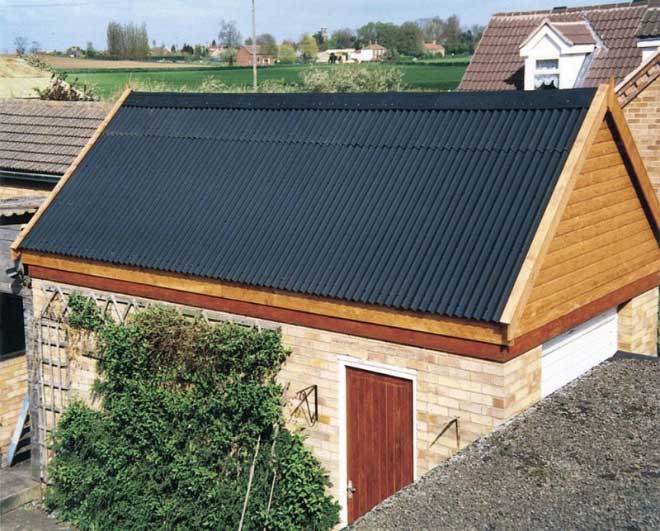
(185, 407)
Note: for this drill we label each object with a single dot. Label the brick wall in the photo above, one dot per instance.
(7, 191)
(643, 116)
(482, 394)
(638, 324)
(13, 386)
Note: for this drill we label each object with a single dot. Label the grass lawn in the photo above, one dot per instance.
(109, 83)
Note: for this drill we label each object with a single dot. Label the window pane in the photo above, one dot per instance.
(12, 333)
(547, 64)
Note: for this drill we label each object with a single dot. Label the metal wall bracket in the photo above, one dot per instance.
(309, 411)
(453, 421)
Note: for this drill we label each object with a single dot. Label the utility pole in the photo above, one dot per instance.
(254, 48)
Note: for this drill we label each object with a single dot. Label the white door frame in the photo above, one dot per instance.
(378, 368)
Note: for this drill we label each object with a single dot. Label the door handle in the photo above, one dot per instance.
(350, 489)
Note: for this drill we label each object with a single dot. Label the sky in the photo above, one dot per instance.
(58, 24)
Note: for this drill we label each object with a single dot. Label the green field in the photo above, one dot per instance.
(109, 83)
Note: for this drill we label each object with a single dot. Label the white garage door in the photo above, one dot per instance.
(575, 352)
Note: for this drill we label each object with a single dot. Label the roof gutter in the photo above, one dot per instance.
(48, 178)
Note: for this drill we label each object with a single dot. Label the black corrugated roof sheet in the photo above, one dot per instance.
(412, 201)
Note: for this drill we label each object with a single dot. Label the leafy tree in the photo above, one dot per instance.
(173, 48)
(127, 41)
(321, 40)
(21, 44)
(229, 56)
(409, 39)
(200, 51)
(35, 47)
(308, 48)
(433, 29)
(229, 35)
(187, 49)
(342, 38)
(286, 54)
(268, 44)
(186, 406)
(90, 51)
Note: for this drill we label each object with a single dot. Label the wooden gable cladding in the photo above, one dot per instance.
(605, 238)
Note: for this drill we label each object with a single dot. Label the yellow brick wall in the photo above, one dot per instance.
(13, 386)
(643, 116)
(638, 324)
(482, 394)
(14, 190)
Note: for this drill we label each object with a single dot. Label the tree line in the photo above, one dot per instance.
(127, 41)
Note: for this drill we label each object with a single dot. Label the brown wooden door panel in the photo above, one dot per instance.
(379, 424)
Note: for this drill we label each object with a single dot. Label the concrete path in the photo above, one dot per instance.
(30, 518)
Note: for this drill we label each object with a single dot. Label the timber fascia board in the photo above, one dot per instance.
(489, 333)
(550, 220)
(15, 253)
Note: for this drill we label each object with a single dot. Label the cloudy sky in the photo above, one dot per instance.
(57, 24)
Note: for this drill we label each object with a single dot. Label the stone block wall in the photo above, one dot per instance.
(638, 324)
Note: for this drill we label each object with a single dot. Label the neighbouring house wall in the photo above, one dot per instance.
(8, 191)
(482, 394)
(643, 117)
(13, 386)
(638, 324)
(603, 242)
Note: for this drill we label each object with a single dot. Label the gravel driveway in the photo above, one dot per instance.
(587, 457)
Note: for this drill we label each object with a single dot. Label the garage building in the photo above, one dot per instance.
(435, 263)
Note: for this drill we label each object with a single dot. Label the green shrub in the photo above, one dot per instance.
(183, 406)
(84, 313)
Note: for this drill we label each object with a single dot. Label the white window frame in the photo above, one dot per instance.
(547, 71)
(345, 362)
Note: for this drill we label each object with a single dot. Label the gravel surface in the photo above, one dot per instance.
(587, 457)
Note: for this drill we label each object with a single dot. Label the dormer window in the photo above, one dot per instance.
(556, 54)
(547, 74)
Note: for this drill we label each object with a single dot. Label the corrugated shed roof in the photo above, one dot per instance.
(45, 136)
(417, 202)
(497, 65)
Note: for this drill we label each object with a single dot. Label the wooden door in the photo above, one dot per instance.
(379, 424)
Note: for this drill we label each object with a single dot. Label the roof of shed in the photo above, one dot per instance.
(419, 202)
(45, 136)
(497, 65)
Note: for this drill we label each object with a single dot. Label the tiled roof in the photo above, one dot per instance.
(650, 26)
(43, 137)
(420, 202)
(575, 32)
(497, 65)
(638, 80)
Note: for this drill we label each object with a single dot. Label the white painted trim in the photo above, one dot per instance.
(398, 372)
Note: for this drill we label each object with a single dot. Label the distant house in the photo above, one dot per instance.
(160, 51)
(372, 52)
(215, 52)
(434, 48)
(75, 51)
(580, 47)
(245, 54)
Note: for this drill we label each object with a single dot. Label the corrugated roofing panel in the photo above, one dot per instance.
(406, 202)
